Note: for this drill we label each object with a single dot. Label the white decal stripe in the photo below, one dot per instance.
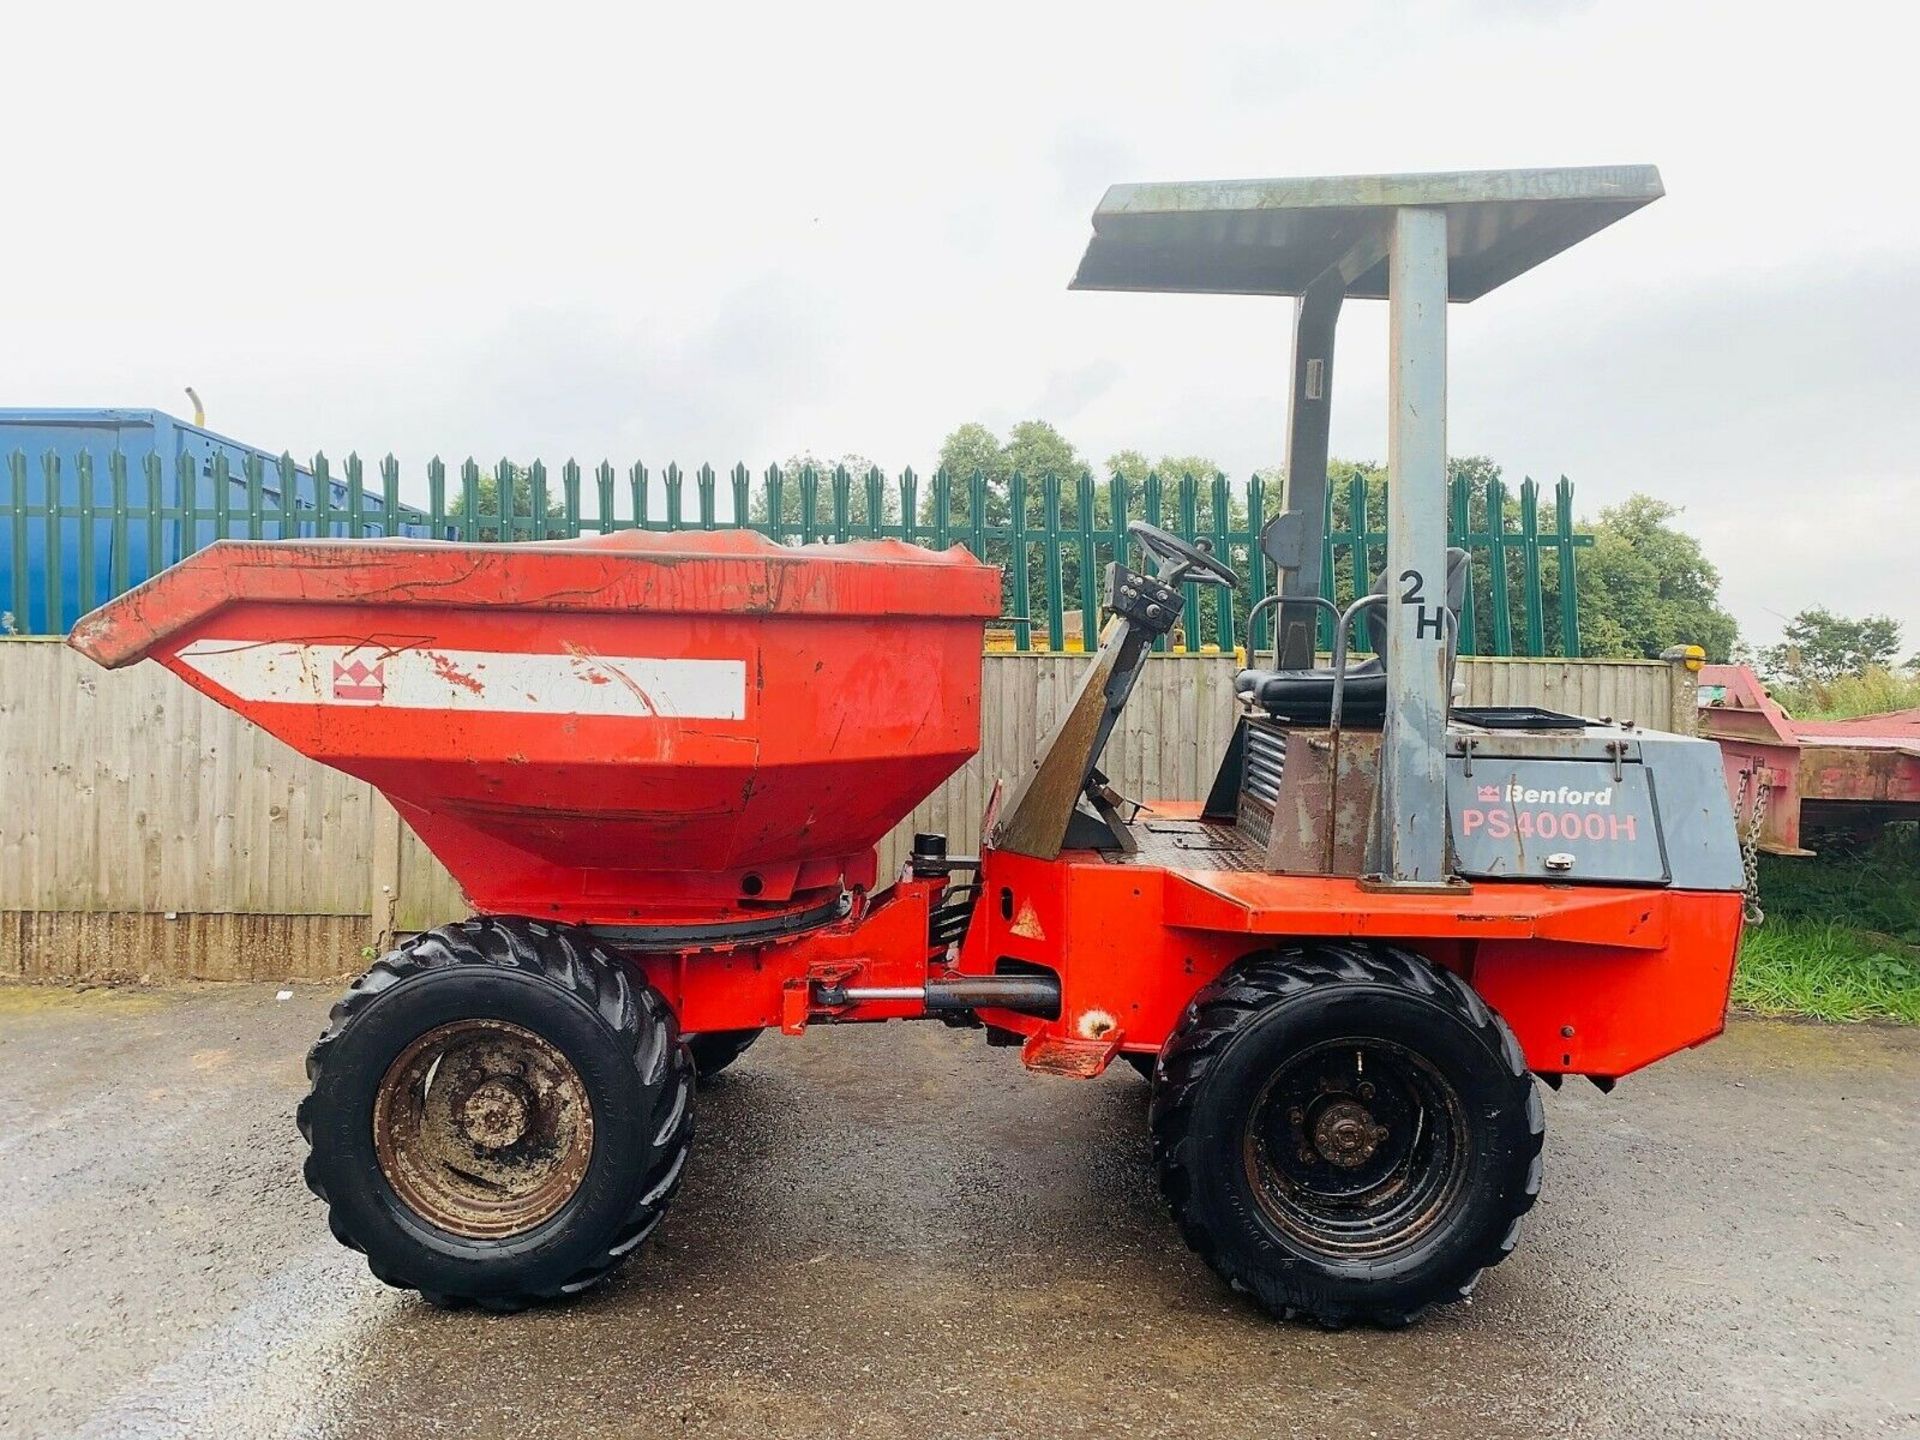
(499, 681)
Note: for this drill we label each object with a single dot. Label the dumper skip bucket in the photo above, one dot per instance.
(648, 731)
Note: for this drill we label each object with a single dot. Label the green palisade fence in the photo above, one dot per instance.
(77, 534)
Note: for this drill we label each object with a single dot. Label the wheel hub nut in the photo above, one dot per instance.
(496, 1114)
(1345, 1134)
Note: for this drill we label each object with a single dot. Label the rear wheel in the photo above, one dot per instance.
(500, 1112)
(1346, 1133)
(714, 1050)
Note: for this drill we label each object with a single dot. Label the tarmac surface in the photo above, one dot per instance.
(894, 1231)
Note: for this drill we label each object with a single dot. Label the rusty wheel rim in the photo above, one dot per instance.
(1357, 1148)
(483, 1128)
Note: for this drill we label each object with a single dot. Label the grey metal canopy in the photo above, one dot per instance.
(1275, 237)
(1417, 242)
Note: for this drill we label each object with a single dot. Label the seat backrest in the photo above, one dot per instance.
(1459, 568)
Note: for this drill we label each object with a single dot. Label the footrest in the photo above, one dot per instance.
(1070, 1056)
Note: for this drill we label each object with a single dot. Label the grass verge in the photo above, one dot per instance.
(1842, 935)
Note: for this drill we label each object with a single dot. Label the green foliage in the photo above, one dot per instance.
(1874, 691)
(1819, 647)
(1133, 466)
(1646, 584)
(493, 520)
(1842, 935)
(973, 448)
(1034, 448)
(1828, 971)
(857, 469)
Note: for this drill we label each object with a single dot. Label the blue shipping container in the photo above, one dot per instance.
(135, 435)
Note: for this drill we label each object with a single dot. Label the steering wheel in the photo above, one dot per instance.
(1199, 559)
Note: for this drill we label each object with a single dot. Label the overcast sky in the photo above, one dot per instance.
(717, 232)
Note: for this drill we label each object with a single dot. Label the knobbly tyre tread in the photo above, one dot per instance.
(1215, 1017)
(630, 1007)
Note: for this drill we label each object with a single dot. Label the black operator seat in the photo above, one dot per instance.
(1305, 697)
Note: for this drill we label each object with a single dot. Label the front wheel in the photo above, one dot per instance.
(1347, 1133)
(500, 1112)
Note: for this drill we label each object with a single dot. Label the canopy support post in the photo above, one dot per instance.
(1412, 821)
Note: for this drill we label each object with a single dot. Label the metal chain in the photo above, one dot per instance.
(1754, 791)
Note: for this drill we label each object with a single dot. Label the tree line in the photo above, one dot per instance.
(1644, 585)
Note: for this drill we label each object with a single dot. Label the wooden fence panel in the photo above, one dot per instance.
(127, 791)
(144, 830)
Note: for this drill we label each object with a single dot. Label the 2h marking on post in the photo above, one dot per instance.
(1426, 617)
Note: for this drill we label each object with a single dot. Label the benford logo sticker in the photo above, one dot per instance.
(1563, 795)
(358, 681)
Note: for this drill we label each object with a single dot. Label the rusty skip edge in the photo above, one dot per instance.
(859, 579)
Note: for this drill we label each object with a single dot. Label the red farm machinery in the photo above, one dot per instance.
(660, 765)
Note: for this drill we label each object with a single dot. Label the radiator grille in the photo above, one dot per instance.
(1261, 766)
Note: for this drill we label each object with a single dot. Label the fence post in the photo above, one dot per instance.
(603, 496)
(777, 504)
(186, 481)
(676, 485)
(1530, 533)
(1497, 551)
(256, 472)
(537, 516)
(1256, 563)
(570, 497)
(842, 503)
(809, 500)
(1222, 599)
(323, 499)
(1189, 493)
(1323, 626)
(943, 510)
(703, 489)
(16, 465)
(390, 496)
(1017, 539)
(1089, 576)
(156, 512)
(50, 471)
(977, 516)
(1360, 551)
(1460, 503)
(117, 565)
(876, 502)
(1150, 502)
(83, 516)
(289, 497)
(437, 498)
(1569, 577)
(356, 497)
(1050, 565)
(742, 501)
(469, 500)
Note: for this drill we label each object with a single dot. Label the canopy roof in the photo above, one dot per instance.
(1273, 237)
